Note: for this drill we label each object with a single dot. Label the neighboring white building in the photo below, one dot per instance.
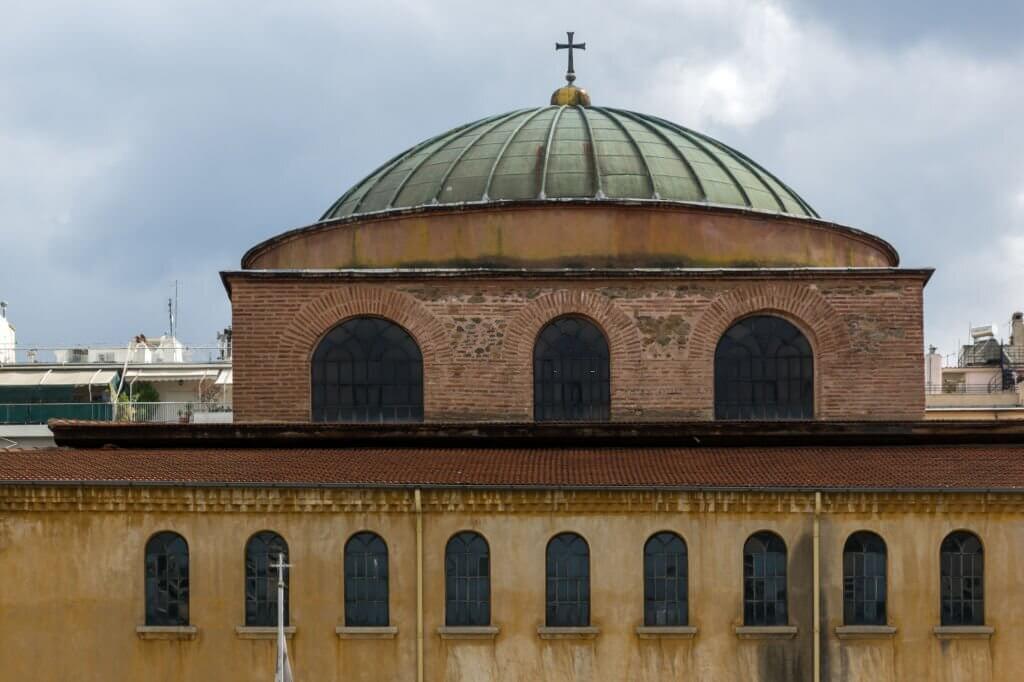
(985, 381)
(7, 338)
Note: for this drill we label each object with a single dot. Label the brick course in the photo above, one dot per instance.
(477, 334)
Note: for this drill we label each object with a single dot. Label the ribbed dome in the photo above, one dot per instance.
(561, 153)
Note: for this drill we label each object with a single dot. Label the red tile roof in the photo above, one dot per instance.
(954, 467)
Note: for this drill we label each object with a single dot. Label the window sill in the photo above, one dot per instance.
(379, 632)
(187, 632)
(465, 632)
(865, 632)
(766, 631)
(262, 632)
(666, 631)
(963, 631)
(545, 632)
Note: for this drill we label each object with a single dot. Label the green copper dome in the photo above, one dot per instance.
(561, 153)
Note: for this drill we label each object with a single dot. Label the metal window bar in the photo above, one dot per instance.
(864, 580)
(261, 553)
(764, 581)
(366, 581)
(962, 580)
(764, 370)
(167, 580)
(467, 575)
(571, 372)
(568, 582)
(665, 581)
(367, 370)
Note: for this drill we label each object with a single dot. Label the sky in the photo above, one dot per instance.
(143, 143)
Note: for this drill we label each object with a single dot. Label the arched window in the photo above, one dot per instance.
(467, 580)
(261, 554)
(963, 580)
(568, 581)
(367, 370)
(764, 369)
(167, 580)
(366, 581)
(571, 374)
(864, 580)
(665, 580)
(764, 580)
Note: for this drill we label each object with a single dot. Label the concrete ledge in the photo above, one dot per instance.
(766, 631)
(545, 632)
(262, 632)
(865, 631)
(379, 632)
(666, 631)
(188, 632)
(963, 631)
(468, 632)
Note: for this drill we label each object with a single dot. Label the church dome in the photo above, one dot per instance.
(566, 153)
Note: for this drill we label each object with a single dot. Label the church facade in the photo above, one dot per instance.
(567, 393)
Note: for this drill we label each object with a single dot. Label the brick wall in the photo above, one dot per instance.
(477, 337)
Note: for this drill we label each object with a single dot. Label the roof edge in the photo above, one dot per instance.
(323, 225)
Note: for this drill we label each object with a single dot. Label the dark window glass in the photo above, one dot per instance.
(764, 580)
(366, 581)
(764, 369)
(665, 580)
(166, 580)
(568, 581)
(467, 580)
(571, 372)
(367, 370)
(864, 586)
(261, 554)
(963, 585)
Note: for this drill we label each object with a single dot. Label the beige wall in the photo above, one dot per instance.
(72, 591)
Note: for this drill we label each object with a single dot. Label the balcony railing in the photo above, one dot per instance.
(167, 413)
(967, 389)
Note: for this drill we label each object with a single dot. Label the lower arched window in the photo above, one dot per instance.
(367, 370)
(167, 580)
(764, 369)
(864, 580)
(262, 553)
(568, 581)
(665, 580)
(963, 580)
(764, 580)
(571, 372)
(467, 580)
(366, 581)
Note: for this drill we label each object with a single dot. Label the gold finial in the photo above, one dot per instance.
(569, 94)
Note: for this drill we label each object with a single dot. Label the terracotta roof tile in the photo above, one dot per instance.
(906, 467)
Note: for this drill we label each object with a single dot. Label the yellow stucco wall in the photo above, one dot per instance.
(72, 588)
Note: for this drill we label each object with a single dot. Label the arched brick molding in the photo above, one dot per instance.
(624, 345)
(296, 344)
(801, 304)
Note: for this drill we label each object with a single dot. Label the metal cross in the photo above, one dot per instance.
(570, 75)
(280, 566)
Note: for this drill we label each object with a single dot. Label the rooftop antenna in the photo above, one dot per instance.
(3, 309)
(172, 311)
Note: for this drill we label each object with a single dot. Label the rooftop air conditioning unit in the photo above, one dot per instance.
(78, 355)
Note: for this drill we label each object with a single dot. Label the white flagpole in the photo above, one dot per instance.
(284, 671)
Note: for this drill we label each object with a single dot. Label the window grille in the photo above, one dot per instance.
(367, 370)
(166, 580)
(366, 581)
(467, 573)
(764, 369)
(764, 580)
(963, 572)
(571, 372)
(261, 554)
(665, 580)
(864, 580)
(568, 581)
